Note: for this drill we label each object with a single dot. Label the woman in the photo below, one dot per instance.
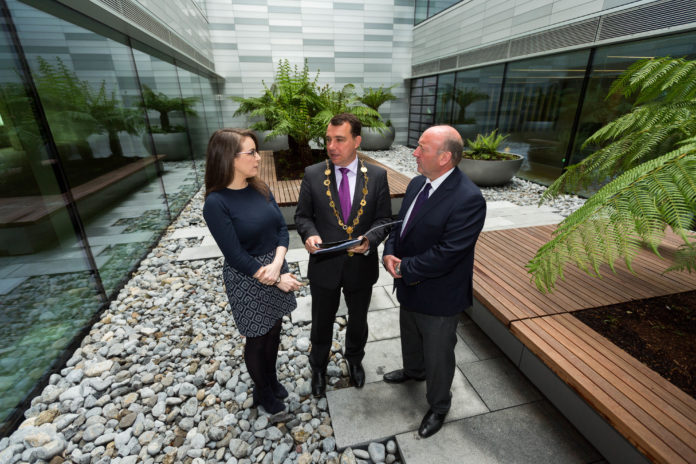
(250, 230)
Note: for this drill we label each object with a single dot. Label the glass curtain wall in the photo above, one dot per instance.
(608, 63)
(546, 104)
(84, 192)
(427, 8)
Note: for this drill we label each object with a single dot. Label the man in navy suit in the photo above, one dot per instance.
(431, 257)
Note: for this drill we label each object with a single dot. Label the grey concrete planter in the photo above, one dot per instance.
(488, 173)
(373, 140)
(276, 144)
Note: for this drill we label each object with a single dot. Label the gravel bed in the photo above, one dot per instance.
(161, 377)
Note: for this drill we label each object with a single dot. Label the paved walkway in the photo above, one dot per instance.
(497, 415)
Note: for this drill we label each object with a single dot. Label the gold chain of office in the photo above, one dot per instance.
(356, 221)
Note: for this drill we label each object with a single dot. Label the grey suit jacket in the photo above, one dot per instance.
(314, 216)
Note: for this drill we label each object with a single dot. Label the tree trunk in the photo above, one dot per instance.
(164, 121)
(301, 150)
(115, 144)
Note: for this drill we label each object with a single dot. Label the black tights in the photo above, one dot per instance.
(260, 354)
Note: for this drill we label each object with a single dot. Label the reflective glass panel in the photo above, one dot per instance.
(47, 292)
(608, 63)
(161, 92)
(90, 94)
(475, 100)
(445, 98)
(540, 99)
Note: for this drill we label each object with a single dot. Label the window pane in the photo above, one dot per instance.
(475, 100)
(538, 108)
(445, 92)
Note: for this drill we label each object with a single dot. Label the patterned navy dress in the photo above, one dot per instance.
(248, 229)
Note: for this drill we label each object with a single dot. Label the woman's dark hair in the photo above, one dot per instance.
(223, 147)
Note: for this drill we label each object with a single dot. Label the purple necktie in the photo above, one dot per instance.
(422, 196)
(344, 194)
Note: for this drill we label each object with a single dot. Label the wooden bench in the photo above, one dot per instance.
(18, 211)
(655, 416)
(286, 192)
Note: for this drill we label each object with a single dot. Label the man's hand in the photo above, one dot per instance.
(311, 243)
(363, 247)
(390, 262)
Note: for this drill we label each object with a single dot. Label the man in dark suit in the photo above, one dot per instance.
(431, 257)
(339, 199)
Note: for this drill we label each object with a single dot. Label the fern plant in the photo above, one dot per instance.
(334, 102)
(649, 157)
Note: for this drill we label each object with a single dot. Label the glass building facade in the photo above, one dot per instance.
(548, 105)
(94, 165)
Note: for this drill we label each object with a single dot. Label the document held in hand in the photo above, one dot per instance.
(342, 245)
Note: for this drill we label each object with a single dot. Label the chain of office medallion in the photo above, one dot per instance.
(356, 221)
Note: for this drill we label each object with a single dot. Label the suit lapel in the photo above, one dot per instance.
(437, 196)
(409, 199)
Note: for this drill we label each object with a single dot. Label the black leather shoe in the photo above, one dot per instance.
(431, 423)
(399, 376)
(357, 374)
(318, 383)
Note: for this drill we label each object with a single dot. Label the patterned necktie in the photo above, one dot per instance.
(344, 194)
(422, 196)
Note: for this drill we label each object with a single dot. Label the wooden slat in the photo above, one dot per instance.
(643, 416)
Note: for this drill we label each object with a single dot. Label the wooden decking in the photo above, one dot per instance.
(651, 413)
(286, 192)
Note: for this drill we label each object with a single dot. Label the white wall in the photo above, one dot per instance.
(364, 42)
(476, 23)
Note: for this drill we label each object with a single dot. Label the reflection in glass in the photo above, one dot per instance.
(475, 100)
(539, 103)
(47, 292)
(608, 63)
(445, 97)
(166, 108)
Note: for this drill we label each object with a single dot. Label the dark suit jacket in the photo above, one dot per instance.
(437, 249)
(314, 216)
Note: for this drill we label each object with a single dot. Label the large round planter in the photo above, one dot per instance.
(174, 145)
(489, 173)
(373, 140)
(275, 144)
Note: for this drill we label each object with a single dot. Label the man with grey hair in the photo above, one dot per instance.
(431, 257)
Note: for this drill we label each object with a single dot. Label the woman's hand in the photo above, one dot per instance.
(289, 283)
(268, 274)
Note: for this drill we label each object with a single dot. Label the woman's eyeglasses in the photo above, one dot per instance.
(250, 152)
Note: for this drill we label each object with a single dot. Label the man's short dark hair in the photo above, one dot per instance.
(355, 124)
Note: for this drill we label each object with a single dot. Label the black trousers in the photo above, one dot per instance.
(325, 302)
(427, 348)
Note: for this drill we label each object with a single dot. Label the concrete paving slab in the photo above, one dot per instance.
(531, 433)
(491, 205)
(208, 240)
(482, 346)
(380, 299)
(7, 285)
(296, 254)
(499, 383)
(495, 223)
(188, 232)
(295, 240)
(384, 277)
(304, 266)
(8, 267)
(303, 312)
(121, 238)
(383, 356)
(199, 252)
(383, 324)
(380, 410)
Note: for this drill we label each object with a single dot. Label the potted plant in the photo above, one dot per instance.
(170, 139)
(485, 165)
(263, 107)
(375, 137)
(112, 118)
